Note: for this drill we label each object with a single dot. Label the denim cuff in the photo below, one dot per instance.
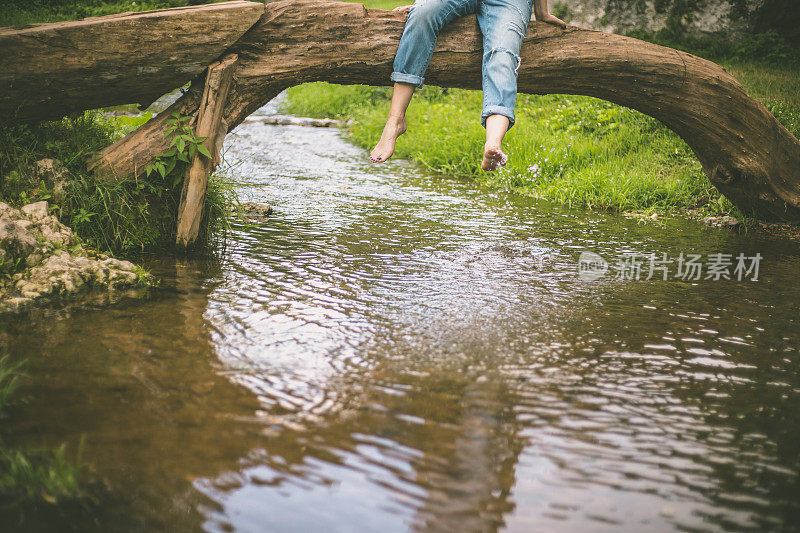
(408, 78)
(497, 110)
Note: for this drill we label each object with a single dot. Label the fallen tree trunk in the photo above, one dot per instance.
(209, 125)
(50, 70)
(746, 153)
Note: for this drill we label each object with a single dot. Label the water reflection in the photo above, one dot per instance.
(138, 381)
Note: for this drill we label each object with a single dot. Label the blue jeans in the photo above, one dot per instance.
(503, 24)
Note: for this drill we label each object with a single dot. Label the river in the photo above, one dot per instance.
(393, 351)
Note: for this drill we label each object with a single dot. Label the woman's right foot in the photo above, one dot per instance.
(493, 157)
(394, 128)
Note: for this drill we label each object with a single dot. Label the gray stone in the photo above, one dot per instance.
(38, 238)
(36, 211)
(256, 210)
(620, 16)
(54, 175)
(33, 259)
(17, 303)
(14, 236)
(721, 221)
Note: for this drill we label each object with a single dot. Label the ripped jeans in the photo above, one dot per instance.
(503, 24)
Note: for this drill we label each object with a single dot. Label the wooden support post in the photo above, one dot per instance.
(211, 126)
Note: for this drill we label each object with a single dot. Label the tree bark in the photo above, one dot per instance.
(747, 154)
(50, 70)
(211, 126)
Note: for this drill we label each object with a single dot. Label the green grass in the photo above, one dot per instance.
(45, 475)
(22, 12)
(10, 376)
(383, 4)
(34, 476)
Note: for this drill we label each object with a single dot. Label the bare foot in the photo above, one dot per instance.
(493, 158)
(551, 19)
(394, 128)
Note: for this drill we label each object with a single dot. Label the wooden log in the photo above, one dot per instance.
(210, 125)
(750, 157)
(130, 155)
(50, 70)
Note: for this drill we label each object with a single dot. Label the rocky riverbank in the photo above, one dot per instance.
(42, 260)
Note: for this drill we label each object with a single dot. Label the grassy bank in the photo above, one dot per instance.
(123, 217)
(573, 150)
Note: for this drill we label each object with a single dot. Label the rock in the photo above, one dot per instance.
(24, 224)
(14, 304)
(707, 18)
(722, 221)
(32, 239)
(55, 176)
(15, 237)
(33, 259)
(283, 120)
(256, 210)
(36, 211)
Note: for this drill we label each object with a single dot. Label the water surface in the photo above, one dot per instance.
(394, 351)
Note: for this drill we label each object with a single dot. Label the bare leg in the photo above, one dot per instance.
(395, 123)
(493, 156)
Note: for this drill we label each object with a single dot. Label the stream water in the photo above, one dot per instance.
(392, 351)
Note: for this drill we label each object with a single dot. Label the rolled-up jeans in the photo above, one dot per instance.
(503, 24)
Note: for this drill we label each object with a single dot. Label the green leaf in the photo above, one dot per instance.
(203, 150)
(170, 165)
(192, 148)
(181, 144)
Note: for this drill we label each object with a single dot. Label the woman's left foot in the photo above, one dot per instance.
(394, 128)
(493, 158)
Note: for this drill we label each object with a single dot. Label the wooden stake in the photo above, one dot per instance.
(209, 125)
